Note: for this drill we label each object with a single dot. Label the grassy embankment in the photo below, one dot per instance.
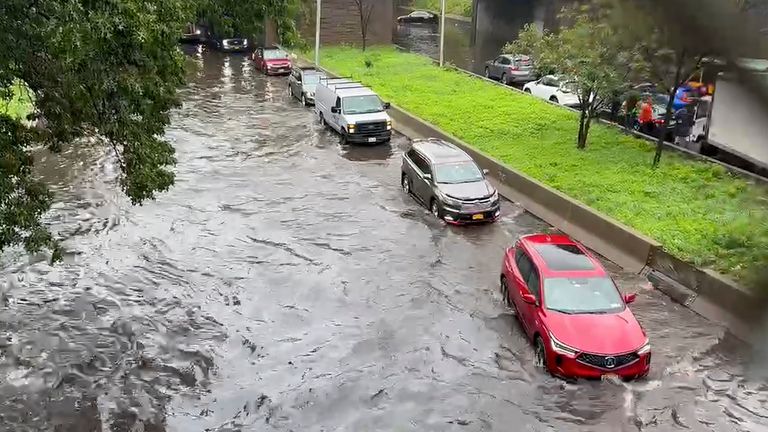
(19, 105)
(452, 7)
(697, 210)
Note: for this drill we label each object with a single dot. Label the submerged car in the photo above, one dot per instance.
(303, 82)
(272, 61)
(510, 69)
(572, 311)
(555, 89)
(234, 44)
(193, 34)
(418, 16)
(446, 179)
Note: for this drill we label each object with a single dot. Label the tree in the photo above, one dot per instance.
(671, 59)
(364, 9)
(597, 65)
(103, 69)
(665, 34)
(245, 18)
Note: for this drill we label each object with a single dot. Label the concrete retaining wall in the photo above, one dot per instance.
(602, 234)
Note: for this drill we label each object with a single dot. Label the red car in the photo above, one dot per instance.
(272, 61)
(571, 309)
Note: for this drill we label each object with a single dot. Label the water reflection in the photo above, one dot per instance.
(366, 153)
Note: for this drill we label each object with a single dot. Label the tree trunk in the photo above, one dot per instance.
(663, 132)
(581, 143)
(668, 113)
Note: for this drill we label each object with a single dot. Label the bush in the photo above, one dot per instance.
(697, 210)
(19, 104)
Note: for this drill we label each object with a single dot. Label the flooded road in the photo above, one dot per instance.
(286, 283)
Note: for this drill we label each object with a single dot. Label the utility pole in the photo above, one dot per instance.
(317, 33)
(442, 32)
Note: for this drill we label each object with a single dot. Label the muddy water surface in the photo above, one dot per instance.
(286, 283)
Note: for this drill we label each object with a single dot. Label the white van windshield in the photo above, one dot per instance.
(362, 104)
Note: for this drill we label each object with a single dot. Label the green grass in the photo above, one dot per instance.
(697, 210)
(452, 7)
(19, 104)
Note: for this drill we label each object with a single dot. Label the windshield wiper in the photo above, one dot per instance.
(563, 311)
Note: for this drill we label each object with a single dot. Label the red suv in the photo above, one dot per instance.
(272, 61)
(570, 308)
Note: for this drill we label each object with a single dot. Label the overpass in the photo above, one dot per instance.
(496, 22)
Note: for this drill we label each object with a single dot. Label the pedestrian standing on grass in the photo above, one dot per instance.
(646, 116)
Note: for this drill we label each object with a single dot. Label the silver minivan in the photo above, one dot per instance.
(445, 179)
(353, 110)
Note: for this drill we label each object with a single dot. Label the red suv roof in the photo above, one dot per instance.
(559, 255)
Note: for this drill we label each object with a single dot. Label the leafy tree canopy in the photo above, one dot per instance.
(588, 53)
(105, 69)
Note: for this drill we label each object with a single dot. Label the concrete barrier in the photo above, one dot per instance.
(606, 236)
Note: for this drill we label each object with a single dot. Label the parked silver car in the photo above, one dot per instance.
(510, 69)
(302, 83)
(446, 179)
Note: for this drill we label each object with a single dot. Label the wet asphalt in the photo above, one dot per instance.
(286, 283)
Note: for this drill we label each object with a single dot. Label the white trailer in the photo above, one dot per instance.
(738, 120)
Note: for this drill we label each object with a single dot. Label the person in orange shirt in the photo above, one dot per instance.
(646, 116)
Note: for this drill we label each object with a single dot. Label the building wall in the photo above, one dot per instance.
(340, 23)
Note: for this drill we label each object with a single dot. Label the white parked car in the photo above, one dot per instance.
(553, 88)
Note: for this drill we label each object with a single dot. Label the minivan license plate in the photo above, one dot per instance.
(371, 139)
(477, 216)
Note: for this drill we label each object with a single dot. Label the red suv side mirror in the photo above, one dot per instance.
(529, 298)
(630, 298)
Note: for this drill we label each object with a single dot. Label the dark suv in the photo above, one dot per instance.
(448, 182)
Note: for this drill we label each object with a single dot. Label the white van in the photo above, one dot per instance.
(352, 110)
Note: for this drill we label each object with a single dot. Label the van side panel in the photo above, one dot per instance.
(322, 97)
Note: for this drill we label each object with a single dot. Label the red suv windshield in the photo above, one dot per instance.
(595, 295)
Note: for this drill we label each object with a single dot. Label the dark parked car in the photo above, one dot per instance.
(272, 61)
(235, 44)
(418, 17)
(448, 182)
(510, 69)
(303, 82)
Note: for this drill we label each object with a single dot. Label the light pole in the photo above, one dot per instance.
(317, 33)
(442, 32)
